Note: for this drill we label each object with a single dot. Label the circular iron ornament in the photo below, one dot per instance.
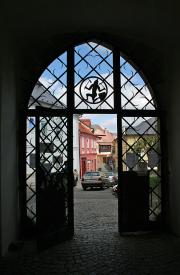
(93, 90)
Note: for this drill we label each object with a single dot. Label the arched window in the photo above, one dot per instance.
(93, 66)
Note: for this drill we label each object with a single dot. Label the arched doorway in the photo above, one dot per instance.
(91, 78)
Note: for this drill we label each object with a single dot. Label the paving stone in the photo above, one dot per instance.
(97, 248)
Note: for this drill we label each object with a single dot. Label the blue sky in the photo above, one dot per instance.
(108, 121)
(104, 70)
(81, 67)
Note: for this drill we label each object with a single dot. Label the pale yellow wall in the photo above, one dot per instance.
(130, 139)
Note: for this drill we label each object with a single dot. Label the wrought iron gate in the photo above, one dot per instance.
(49, 182)
(90, 78)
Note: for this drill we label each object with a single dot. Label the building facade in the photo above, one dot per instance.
(51, 149)
(105, 148)
(88, 147)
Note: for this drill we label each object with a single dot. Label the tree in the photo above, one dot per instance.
(145, 143)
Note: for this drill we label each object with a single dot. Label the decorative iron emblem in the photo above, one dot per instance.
(93, 90)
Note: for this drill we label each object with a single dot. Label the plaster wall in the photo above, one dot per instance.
(173, 133)
(8, 163)
(76, 158)
(139, 24)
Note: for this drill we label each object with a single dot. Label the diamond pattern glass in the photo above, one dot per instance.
(93, 72)
(52, 181)
(51, 88)
(30, 169)
(141, 153)
(135, 93)
(53, 157)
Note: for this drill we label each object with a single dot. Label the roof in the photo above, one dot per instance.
(106, 136)
(98, 130)
(43, 96)
(109, 137)
(85, 129)
(143, 128)
(86, 121)
(96, 127)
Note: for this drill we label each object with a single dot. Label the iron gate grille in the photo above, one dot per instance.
(135, 92)
(31, 169)
(48, 174)
(92, 78)
(93, 69)
(141, 152)
(51, 89)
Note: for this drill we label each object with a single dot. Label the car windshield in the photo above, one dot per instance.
(90, 174)
(109, 173)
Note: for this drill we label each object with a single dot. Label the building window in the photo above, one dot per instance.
(31, 123)
(82, 142)
(90, 143)
(58, 133)
(93, 143)
(87, 142)
(104, 148)
(58, 159)
(32, 160)
(46, 147)
(44, 127)
(104, 160)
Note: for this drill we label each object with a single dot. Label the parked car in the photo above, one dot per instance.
(94, 179)
(111, 178)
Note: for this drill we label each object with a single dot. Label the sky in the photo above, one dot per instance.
(54, 78)
(108, 121)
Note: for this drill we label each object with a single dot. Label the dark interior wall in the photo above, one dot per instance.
(33, 33)
(173, 134)
(8, 150)
(40, 30)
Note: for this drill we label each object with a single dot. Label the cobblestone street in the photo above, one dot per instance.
(97, 248)
(95, 210)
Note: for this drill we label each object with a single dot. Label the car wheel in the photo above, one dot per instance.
(102, 187)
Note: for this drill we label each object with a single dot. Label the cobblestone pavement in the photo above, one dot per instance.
(97, 248)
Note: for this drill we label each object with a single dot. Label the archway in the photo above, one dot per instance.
(93, 77)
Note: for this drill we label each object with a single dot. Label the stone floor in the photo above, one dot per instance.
(97, 248)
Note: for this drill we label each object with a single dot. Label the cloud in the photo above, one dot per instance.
(110, 124)
(131, 99)
(108, 121)
(91, 116)
(55, 88)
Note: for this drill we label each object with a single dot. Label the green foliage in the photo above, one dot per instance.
(153, 181)
(143, 144)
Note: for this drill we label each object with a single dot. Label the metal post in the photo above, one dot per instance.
(70, 107)
(117, 107)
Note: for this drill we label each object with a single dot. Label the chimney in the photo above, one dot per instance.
(86, 122)
(105, 130)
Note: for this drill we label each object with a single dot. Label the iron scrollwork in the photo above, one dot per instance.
(93, 90)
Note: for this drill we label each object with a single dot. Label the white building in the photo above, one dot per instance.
(53, 135)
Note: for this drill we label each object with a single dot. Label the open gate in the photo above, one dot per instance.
(90, 78)
(50, 183)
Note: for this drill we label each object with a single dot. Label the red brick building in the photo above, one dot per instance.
(88, 147)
